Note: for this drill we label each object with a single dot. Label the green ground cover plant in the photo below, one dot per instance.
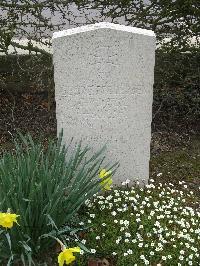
(46, 187)
(153, 225)
(180, 164)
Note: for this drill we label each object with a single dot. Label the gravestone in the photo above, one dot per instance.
(104, 90)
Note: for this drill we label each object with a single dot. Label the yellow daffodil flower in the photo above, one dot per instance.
(107, 182)
(7, 219)
(66, 256)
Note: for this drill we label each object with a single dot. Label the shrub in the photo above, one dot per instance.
(154, 225)
(176, 88)
(46, 187)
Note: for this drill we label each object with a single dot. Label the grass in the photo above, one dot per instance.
(179, 164)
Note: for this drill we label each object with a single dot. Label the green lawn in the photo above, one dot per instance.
(179, 164)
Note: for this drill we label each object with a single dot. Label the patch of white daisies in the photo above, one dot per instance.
(155, 224)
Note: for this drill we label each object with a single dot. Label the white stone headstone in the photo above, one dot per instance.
(104, 77)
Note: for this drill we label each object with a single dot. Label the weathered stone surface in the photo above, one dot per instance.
(104, 89)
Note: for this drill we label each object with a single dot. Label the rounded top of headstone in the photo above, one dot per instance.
(102, 25)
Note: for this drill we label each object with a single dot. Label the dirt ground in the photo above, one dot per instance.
(29, 112)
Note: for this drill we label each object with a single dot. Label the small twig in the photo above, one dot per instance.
(161, 105)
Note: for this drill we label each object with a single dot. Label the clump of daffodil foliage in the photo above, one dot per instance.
(151, 225)
(45, 186)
